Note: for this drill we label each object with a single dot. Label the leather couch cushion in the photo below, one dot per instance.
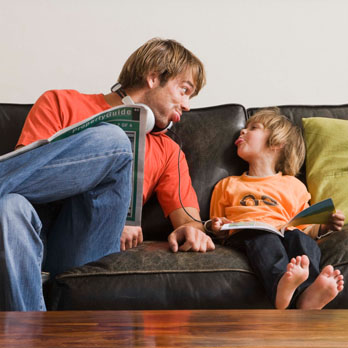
(334, 251)
(152, 277)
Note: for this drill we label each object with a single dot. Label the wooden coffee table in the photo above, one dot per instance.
(177, 328)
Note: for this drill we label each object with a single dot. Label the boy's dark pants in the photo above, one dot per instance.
(269, 255)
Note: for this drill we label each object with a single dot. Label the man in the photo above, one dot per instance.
(90, 172)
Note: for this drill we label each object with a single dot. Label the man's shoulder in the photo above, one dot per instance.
(162, 148)
(162, 140)
(66, 93)
(71, 97)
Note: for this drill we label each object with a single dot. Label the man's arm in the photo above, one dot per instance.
(188, 235)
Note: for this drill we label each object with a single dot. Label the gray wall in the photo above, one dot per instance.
(256, 52)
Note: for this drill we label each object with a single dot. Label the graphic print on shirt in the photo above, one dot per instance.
(249, 200)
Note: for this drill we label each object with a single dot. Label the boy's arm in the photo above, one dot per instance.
(336, 223)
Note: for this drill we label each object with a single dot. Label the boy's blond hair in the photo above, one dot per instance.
(285, 134)
(167, 58)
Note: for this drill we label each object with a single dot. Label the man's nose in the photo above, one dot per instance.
(185, 105)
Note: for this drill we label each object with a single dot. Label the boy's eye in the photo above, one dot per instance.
(255, 126)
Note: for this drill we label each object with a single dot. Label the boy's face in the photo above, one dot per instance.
(170, 100)
(253, 142)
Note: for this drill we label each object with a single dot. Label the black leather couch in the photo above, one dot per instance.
(152, 277)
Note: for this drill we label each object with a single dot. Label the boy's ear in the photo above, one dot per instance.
(152, 80)
(277, 147)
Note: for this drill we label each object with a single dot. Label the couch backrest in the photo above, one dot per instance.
(207, 136)
(12, 117)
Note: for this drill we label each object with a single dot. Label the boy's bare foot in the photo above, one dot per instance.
(323, 290)
(297, 272)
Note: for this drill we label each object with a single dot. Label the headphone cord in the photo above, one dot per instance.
(182, 205)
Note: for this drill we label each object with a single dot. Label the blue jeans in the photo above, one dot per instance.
(91, 173)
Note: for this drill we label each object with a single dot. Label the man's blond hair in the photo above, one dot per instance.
(285, 134)
(167, 58)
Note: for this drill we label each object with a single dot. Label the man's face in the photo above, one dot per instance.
(170, 100)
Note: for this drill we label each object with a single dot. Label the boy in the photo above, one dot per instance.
(274, 149)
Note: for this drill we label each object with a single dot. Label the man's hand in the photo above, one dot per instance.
(188, 233)
(191, 239)
(131, 237)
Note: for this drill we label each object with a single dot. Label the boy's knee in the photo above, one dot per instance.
(297, 234)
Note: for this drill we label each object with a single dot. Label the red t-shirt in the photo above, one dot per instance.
(58, 109)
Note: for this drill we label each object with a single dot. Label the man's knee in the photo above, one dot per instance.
(16, 210)
(110, 136)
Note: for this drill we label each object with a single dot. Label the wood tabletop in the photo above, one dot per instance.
(175, 328)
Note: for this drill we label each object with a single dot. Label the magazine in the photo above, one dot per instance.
(318, 213)
(136, 120)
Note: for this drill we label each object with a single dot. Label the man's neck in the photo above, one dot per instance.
(113, 99)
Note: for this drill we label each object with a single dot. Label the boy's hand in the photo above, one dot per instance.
(335, 224)
(218, 222)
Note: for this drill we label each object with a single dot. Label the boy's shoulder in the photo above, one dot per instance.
(293, 183)
(291, 178)
(228, 181)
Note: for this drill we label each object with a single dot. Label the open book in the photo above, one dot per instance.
(318, 213)
(136, 120)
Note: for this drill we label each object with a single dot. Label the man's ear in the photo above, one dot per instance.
(152, 80)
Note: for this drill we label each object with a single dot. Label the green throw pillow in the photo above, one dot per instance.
(327, 160)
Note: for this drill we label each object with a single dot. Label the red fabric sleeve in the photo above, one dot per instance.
(42, 121)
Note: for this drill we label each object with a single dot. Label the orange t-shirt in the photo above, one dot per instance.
(57, 109)
(273, 199)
